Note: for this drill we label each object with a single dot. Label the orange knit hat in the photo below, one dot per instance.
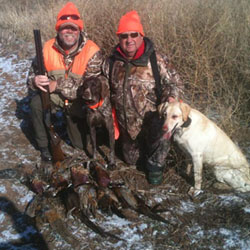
(130, 22)
(69, 14)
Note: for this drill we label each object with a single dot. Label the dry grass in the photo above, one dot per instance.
(207, 41)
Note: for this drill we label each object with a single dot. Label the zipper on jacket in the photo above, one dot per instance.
(125, 90)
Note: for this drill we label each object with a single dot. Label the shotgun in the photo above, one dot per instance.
(54, 139)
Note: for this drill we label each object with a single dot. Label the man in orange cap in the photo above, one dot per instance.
(140, 79)
(68, 58)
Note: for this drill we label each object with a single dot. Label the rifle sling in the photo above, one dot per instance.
(157, 77)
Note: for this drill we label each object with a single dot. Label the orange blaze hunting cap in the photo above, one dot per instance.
(130, 22)
(69, 15)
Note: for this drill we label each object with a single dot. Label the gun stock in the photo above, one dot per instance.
(55, 141)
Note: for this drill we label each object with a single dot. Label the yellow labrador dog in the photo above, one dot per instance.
(207, 144)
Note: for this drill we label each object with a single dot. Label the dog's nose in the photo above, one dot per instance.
(86, 95)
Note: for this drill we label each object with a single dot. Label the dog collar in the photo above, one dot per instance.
(97, 105)
(186, 123)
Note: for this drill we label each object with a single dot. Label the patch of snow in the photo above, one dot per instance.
(2, 189)
(114, 220)
(187, 207)
(2, 217)
(9, 235)
(247, 209)
(143, 226)
(233, 240)
(158, 199)
(25, 194)
(228, 200)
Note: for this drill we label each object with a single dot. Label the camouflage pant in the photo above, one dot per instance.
(75, 121)
(157, 157)
(149, 149)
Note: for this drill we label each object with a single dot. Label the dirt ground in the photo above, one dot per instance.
(217, 219)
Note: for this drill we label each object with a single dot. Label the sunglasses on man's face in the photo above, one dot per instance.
(67, 17)
(132, 35)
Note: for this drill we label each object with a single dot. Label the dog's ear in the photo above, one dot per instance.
(104, 86)
(185, 108)
(161, 108)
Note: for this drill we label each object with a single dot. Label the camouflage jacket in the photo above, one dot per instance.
(68, 87)
(133, 87)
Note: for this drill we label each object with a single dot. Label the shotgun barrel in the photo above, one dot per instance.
(55, 141)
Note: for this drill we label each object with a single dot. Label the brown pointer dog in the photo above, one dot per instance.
(95, 93)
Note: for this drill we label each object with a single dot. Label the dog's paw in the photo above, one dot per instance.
(111, 166)
(193, 192)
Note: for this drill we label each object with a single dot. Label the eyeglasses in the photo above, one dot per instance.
(67, 17)
(132, 35)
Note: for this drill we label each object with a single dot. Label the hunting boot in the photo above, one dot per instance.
(45, 154)
(155, 178)
(157, 160)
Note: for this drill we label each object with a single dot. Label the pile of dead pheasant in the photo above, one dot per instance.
(83, 189)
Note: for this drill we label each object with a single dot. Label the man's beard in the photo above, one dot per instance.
(68, 44)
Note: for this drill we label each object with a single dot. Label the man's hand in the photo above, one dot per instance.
(42, 81)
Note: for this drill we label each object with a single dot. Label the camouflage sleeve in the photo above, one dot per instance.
(33, 71)
(172, 84)
(31, 75)
(69, 87)
(105, 67)
(94, 65)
